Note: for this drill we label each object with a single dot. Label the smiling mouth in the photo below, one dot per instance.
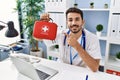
(74, 26)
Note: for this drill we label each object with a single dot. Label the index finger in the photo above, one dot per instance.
(45, 17)
(67, 35)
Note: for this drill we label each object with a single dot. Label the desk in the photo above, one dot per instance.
(66, 72)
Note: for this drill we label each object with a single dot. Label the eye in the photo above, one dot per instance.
(70, 20)
(77, 19)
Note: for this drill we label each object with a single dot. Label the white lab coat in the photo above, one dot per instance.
(92, 48)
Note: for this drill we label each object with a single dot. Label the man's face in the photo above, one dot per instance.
(74, 22)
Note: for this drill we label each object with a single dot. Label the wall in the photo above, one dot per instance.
(7, 13)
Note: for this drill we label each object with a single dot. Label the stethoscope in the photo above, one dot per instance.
(82, 42)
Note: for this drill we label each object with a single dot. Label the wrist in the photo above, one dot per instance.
(77, 46)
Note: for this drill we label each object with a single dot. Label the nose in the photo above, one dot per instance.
(73, 22)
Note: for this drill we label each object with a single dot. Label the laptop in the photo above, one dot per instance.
(35, 73)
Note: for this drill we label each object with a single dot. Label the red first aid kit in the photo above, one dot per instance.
(44, 30)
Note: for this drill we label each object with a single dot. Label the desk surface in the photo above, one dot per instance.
(66, 72)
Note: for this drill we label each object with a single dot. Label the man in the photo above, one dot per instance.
(78, 46)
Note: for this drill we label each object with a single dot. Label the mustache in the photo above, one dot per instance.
(74, 25)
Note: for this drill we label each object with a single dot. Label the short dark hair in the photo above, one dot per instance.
(74, 10)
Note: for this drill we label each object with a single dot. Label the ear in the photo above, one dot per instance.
(83, 22)
(66, 21)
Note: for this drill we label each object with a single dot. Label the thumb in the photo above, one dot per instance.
(67, 35)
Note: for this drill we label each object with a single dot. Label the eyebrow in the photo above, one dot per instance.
(72, 18)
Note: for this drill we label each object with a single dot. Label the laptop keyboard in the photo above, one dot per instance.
(42, 75)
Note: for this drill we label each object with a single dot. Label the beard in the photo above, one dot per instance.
(75, 28)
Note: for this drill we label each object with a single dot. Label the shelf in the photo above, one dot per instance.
(114, 40)
(102, 37)
(113, 62)
(54, 54)
(115, 10)
(88, 9)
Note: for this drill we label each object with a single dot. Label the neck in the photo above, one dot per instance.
(77, 35)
